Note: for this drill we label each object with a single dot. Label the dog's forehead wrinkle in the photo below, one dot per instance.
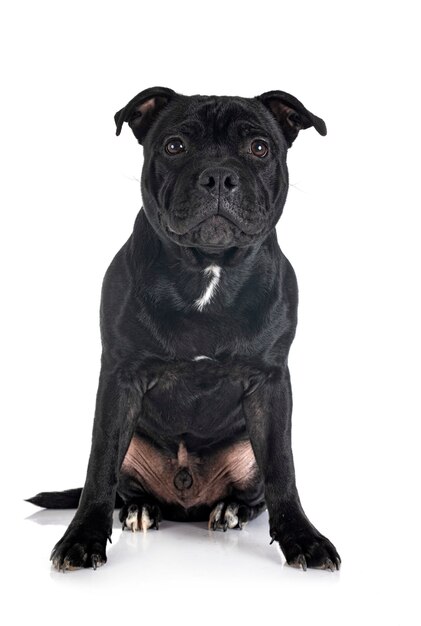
(185, 127)
(208, 113)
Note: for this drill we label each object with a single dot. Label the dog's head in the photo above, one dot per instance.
(215, 173)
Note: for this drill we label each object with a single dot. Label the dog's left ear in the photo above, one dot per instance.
(142, 110)
(291, 114)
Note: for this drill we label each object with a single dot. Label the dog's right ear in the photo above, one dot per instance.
(142, 110)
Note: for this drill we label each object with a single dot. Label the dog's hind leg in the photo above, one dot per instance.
(240, 507)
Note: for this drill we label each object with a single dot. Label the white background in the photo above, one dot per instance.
(351, 230)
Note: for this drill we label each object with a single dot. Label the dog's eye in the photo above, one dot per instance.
(259, 148)
(175, 146)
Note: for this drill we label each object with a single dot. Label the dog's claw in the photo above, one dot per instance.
(301, 562)
(140, 516)
(80, 548)
(329, 565)
(313, 551)
(65, 565)
(226, 515)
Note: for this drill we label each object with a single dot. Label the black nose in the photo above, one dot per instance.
(220, 180)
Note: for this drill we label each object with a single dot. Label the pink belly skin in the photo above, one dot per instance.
(214, 474)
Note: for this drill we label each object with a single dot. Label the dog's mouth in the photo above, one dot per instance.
(216, 232)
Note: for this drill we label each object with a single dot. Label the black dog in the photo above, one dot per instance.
(198, 312)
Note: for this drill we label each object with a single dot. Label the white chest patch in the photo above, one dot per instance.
(212, 274)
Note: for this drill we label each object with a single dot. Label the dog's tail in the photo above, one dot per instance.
(68, 499)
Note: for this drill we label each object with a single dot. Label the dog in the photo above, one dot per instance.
(198, 313)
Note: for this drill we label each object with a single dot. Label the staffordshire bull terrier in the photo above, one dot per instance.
(198, 313)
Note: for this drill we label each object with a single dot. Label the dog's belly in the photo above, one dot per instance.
(189, 479)
(200, 397)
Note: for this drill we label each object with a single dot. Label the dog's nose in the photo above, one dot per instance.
(221, 180)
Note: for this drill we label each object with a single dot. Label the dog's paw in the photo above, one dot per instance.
(309, 549)
(140, 516)
(229, 515)
(79, 547)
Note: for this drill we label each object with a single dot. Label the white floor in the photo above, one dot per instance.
(185, 574)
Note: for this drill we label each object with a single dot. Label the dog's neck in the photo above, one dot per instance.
(197, 275)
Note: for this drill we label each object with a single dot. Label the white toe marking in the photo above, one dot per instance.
(231, 515)
(201, 356)
(145, 521)
(215, 514)
(215, 272)
(131, 519)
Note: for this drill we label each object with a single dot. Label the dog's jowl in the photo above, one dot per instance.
(198, 312)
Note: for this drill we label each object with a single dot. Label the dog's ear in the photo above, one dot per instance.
(291, 114)
(142, 110)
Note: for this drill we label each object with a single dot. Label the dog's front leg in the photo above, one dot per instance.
(118, 403)
(268, 409)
